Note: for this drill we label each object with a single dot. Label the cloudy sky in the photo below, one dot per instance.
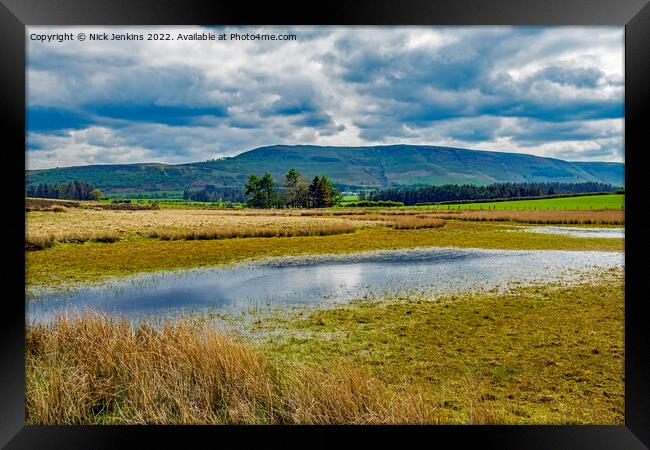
(548, 91)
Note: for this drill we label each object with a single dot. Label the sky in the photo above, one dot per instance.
(547, 91)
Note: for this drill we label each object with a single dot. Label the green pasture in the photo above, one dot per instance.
(613, 201)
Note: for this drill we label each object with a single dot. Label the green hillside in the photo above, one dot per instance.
(348, 167)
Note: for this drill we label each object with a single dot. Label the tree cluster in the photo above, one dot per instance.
(72, 190)
(296, 191)
(455, 192)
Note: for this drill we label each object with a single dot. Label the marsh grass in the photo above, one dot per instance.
(248, 232)
(596, 217)
(51, 208)
(189, 224)
(48, 204)
(80, 225)
(417, 222)
(92, 369)
(41, 241)
(328, 212)
(586, 217)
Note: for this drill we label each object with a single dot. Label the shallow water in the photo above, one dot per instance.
(578, 231)
(317, 280)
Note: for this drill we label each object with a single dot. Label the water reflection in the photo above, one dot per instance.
(618, 233)
(321, 279)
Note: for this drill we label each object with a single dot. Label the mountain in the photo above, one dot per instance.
(347, 167)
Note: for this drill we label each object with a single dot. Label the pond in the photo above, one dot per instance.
(582, 232)
(315, 280)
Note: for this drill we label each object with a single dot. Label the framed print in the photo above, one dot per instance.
(237, 219)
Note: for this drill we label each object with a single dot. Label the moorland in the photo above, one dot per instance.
(529, 354)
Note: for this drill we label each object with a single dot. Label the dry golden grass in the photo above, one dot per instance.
(328, 212)
(40, 241)
(51, 208)
(606, 217)
(414, 223)
(601, 217)
(398, 212)
(48, 204)
(51, 204)
(45, 228)
(182, 224)
(96, 370)
(246, 232)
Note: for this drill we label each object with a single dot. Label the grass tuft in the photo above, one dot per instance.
(92, 369)
(414, 223)
(248, 232)
(41, 241)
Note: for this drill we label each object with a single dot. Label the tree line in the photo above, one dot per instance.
(455, 192)
(211, 193)
(295, 192)
(72, 190)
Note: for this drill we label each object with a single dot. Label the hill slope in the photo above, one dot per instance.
(348, 167)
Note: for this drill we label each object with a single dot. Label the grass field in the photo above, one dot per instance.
(540, 354)
(153, 195)
(76, 224)
(537, 355)
(613, 201)
(60, 224)
(180, 203)
(587, 202)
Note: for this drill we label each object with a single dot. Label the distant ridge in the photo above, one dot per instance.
(348, 167)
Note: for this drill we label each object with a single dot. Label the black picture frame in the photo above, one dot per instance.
(634, 15)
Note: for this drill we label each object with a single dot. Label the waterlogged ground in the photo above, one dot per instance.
(315, 280)
(483, 320)
(551, 353)
(67, 263)
(581, 232)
